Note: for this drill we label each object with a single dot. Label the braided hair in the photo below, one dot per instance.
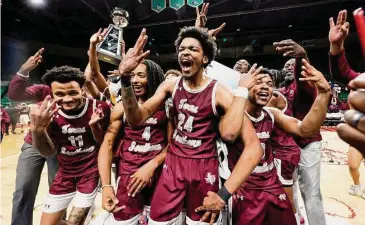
(154, 78)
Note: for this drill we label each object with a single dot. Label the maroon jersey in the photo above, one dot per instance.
(264, 175)
(196, 121)
(73, 139)
(283, 144)
(139, 145)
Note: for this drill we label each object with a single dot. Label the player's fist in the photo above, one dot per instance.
(110, 201)
(41, 115)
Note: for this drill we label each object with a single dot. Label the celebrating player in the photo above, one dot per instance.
(191, 165)
(141, 151)
(74, 126)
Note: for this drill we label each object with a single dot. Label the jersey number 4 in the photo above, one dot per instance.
(188, 126)
(147, 133)
(78, 139)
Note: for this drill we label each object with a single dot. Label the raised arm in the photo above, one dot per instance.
(339, 67)
(136, 114)
(312, 122)
(18, 90)
(89, 83)
(41, 117)
(105, 157)
(234, 105)
(201, 20)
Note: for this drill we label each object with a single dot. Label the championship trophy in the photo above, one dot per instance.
(110, 49)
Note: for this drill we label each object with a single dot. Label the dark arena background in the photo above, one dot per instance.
(64, 27)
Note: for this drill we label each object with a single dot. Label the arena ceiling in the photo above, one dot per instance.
(71, 22)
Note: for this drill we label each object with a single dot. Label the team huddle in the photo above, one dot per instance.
(186, 149)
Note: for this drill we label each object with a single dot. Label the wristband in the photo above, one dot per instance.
(224, 194)
(241, 92)
(22, 75)
(107, 185)
(125, 81)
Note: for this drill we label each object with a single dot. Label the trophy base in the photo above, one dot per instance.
(115, 60)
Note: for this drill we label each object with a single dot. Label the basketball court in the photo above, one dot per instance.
(340, 207)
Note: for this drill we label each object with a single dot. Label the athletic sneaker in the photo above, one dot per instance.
(356, 190)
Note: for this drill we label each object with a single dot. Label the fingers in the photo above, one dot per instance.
(45, 103)
(306, 64)
(345, 28)
(105, 30)
(289, 53)
(51, 106)
(356, 119)
(134, 187)
(140, 39)
(144, 55)
(314, 79)
(344, 17)
(205, 8)
(257, 71)
(200, 209)
(332, 23)
(352, 136)
(253, 68)
(119, 208)
(357, 99)
(283, 43)
(205, 216)
(358, 82)
(139, 188)
(55, 110)
(339, 18)
(219, 29)
(197, 11)
(123, 47)
(40, 51)
(212, 218)
(131, 182)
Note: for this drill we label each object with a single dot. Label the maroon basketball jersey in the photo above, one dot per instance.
(289, 94)
(73, 139)
(264, 175)
(283, 144)
(139, 145)
(195, 119)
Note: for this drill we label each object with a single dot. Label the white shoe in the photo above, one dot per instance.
(356, 190)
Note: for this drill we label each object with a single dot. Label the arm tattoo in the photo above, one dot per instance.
(129, 99)
(43, 143)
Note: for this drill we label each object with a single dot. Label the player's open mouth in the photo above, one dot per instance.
(263, 96)
(186, 65)
(137, 88)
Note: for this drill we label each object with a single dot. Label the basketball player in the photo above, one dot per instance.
(242, 66)
(286, 151)
(74, 126)
(141, 151)
(4, 119)
(262, 200)
(191, 165)
(342, 72)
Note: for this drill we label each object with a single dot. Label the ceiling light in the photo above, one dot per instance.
(238, 29)
(37, 2)
(290, 25)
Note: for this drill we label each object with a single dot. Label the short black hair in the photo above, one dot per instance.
(176, 73)
(155, 76)
(64, 74)
(201, 34)
(274, 74)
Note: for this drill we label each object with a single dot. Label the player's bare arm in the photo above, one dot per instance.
(93, 59)
(144, 174)
(109, 200)
(234, 105)
(89, 83)
(41, 117)
(312, 122)
(247, 162)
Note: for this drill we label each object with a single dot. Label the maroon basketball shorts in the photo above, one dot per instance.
(183, 181)
(83, 189)
(285, 170)
(134, 205)
(257, 207)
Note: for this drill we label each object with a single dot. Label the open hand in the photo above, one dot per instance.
(134, 56)
(201, 16)
(96, 116)
(290, 48)
(249, 79)
(314, 76)
(141, 178)
(339, 31)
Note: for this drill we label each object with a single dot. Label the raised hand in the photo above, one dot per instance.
(290, 48)
(216, 31)
(32, 62)
(134, 56)
(41, 115)
(339, 31)
(110, 201)
(96, 116)
(98, 36)
(141, 178)
(201, 16)
(312, 75)
(249, 79)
